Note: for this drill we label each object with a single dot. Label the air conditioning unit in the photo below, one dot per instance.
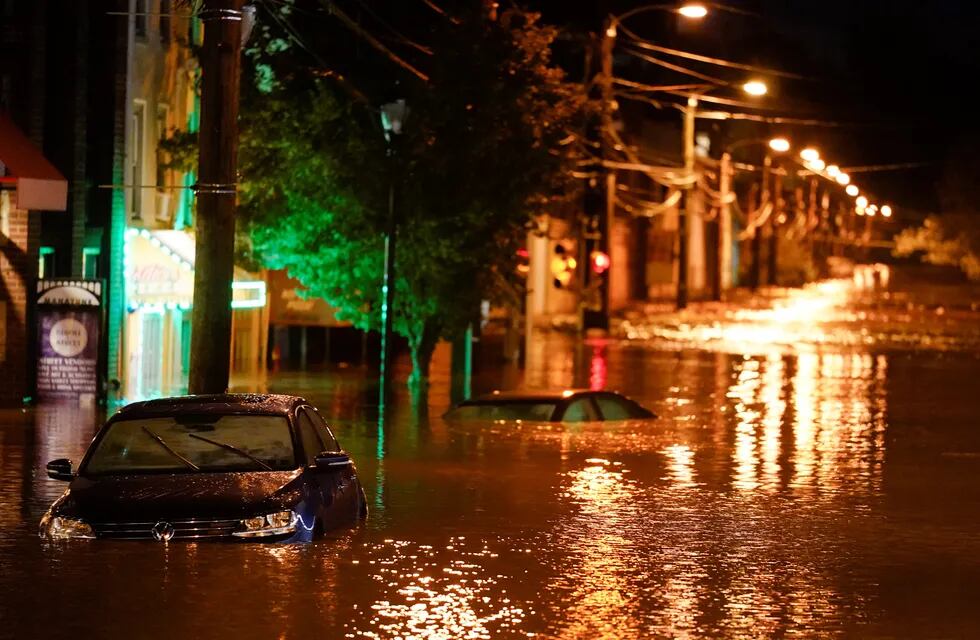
(163, 206)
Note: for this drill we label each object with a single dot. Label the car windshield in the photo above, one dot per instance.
(531, 410)
(194, 444)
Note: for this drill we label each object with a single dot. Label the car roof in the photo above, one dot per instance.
(223, 403)
(534, 395)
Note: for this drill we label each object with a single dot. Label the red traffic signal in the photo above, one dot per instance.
(599, 261)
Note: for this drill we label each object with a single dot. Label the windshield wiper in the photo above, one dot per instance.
(170, 449)
(229, 447)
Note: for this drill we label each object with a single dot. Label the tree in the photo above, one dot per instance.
(485, 147)
(952, 238)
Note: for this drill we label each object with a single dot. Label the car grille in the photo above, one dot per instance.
(183, 529)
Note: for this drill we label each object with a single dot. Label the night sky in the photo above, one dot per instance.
(896, 74)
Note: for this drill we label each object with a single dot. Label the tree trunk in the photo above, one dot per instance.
(421, 351)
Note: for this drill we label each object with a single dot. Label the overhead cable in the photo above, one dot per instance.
(374, 42)
(643, 44)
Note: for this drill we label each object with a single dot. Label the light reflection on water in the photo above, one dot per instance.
(773, 496)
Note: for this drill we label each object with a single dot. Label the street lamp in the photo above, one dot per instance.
(693, 10)
(393, 117)
(779, 145)
(810, 155)
(861, 202)
(886, 211)
(851, 190)
(755, 88)
(842, 178)
(833, 170)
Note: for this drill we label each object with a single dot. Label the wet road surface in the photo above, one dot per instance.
(808, 491)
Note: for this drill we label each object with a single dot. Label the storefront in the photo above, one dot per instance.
(159, 293)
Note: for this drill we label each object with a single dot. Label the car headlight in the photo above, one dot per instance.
(57, 527)
(273, 524)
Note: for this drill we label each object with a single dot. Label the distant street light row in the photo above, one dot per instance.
(812, 161)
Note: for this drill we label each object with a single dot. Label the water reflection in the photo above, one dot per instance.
(766, 501)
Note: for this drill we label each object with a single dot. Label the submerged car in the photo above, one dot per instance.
(219, 467)
(569, 405)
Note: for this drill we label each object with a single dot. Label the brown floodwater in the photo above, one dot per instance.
(808, 491)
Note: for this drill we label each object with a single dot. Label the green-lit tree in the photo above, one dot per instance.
(485, 146)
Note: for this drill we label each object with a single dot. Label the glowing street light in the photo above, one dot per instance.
(810, 155)
(833, 170)
(817, 165)
(755, 88)
(779, 145)
(851, 190)
(693, 10)
(872, 209)
(842, 178)
(886, 211)
(861, 202)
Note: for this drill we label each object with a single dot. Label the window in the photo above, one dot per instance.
(165, 10)
(140, 18)
(209, 442)
(617, 408)
(325, 434)
(580, 410)
(90, 262)
(45, 262)
(136, 158)
(6, 91)
(533, 411)
(312, 444)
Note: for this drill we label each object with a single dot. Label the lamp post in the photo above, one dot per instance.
(392, 118)
(779, 145)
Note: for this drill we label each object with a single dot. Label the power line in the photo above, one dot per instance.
(643, 44)
(374, 42)
(678, 68)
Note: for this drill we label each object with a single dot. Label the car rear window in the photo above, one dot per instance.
(533, 411)
(212, 443)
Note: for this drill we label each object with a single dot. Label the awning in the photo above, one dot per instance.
(38, 184)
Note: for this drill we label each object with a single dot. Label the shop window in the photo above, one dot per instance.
(90, 262)
(45, 262)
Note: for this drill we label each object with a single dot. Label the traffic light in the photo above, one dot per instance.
(599, 260)
(562, 266)
(523, 262)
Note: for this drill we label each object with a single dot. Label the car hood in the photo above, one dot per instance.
(143, 498)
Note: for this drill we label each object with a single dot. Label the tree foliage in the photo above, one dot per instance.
(483, 148)
(953, 238)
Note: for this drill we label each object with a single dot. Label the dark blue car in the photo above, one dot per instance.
(221, 467)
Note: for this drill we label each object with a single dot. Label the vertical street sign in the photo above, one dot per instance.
(69, 321)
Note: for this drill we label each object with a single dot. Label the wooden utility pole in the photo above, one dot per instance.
(216, 193)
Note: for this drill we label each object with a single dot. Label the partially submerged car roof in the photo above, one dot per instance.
(224, 403)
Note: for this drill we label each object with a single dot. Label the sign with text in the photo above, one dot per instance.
(69, 319)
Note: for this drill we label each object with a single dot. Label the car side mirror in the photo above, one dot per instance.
(332, 460)
(60, 469)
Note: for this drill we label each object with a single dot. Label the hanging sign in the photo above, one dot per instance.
(69, 318)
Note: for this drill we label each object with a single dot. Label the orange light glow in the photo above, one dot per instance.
(694, 11)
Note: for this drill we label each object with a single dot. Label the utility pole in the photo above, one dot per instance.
(755, 275)
(216, 191)
(724, 277)
(685, 209)
(600, 197)
(777, 210)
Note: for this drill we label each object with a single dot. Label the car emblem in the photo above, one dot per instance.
(162, 531)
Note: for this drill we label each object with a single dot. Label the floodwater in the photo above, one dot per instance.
(791, 490)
